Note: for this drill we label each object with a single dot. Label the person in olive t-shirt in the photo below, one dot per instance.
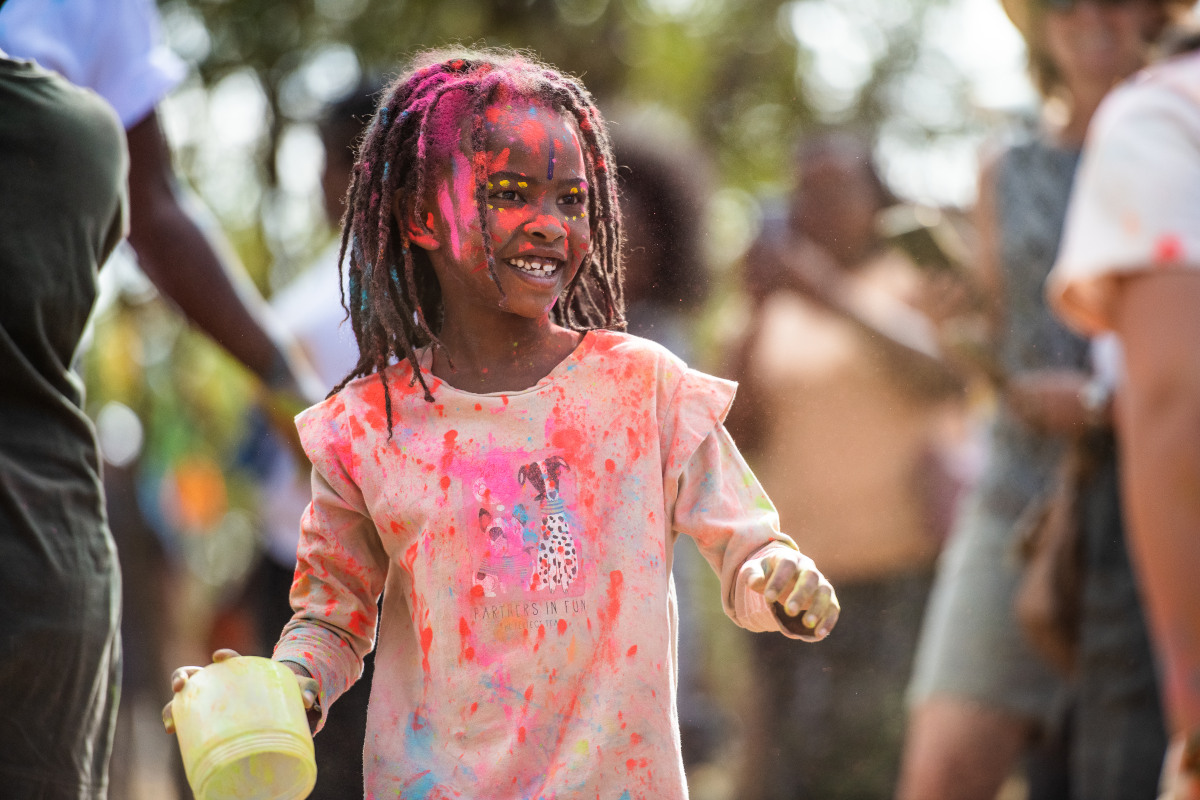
(63, 166)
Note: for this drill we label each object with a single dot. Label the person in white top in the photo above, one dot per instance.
(114, 48)
(1130, 264)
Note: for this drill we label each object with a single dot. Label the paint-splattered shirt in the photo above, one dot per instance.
(522, 542)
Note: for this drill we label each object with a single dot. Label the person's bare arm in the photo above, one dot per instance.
(1157, 316)
(184, 265)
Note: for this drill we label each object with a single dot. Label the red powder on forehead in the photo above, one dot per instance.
(495, 162)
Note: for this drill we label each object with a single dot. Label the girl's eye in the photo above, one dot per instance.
(505, 194)
(573, 199)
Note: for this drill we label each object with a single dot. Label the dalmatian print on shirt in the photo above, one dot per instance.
(520, 542)
(557, 555)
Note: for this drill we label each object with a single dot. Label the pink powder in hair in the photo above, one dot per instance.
(448, 120)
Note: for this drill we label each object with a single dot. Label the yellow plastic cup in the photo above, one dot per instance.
(243, 732)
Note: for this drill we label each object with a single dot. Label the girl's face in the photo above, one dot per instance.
(537, 215)
(1100, 41)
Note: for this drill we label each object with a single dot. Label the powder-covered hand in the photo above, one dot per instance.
(803, 599)
(309, 690)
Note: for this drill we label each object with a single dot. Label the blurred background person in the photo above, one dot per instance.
(982, 696)
(62, 211)
(662, 173)
(1129, 264)
(114, 48)
(854, 423)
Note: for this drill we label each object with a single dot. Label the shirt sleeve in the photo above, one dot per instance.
(718, 501)
(340, 562)
(1136, 201)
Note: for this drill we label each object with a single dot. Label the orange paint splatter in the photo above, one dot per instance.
(426, 643)
(562, 627)
(529, 693)
(464, 633)
(521, 734)
(631, 652)
(635, 738)
(610, 465)
(358, 623)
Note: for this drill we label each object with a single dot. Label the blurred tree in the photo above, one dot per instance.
(746, 74)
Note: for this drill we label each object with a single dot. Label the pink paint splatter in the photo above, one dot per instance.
(1168, 250)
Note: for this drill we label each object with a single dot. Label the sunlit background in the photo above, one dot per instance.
(930, 82)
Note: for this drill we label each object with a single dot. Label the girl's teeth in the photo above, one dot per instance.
(535, 266)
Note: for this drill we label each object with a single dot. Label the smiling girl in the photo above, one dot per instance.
(510, 472)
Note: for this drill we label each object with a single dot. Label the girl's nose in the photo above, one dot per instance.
(546, 227)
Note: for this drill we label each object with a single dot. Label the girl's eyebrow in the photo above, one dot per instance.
(508, 180)
(519, 180)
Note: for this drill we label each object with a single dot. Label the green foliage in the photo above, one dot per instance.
(732, 68)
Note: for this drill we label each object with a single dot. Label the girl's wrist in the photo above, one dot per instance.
(296, 667)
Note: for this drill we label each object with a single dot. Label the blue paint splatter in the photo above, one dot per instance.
(420, 787)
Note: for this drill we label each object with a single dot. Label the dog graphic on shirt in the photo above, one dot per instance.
(504, 564)
(557, 554)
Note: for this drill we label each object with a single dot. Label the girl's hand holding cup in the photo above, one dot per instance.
(309, 690)
(803, 599)
(244, 726)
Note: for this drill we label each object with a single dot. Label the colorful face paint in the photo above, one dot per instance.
(538, 227)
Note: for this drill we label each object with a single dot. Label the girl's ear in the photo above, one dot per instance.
(416, 222)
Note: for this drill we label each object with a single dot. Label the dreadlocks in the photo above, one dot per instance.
(394, 300)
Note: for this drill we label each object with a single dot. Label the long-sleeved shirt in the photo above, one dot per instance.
(522, 542)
